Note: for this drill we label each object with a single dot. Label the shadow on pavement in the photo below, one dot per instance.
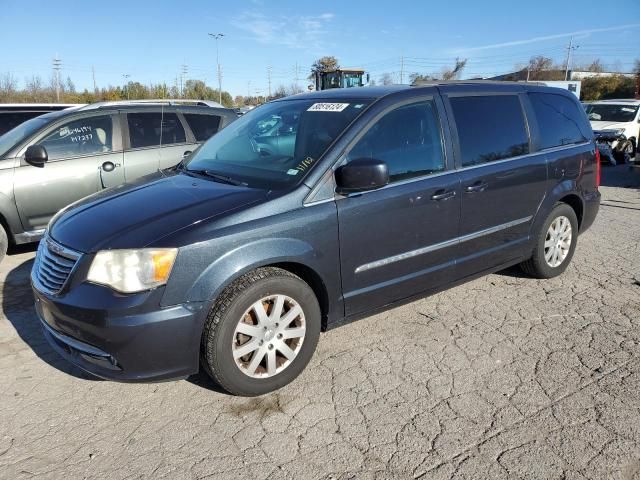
(622, 176)
(203, 380)
(19, 249)
(17, 306)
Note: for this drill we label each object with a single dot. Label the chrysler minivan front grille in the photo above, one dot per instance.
(53, 265)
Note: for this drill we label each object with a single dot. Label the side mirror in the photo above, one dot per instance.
(361, 175)
(36, 155)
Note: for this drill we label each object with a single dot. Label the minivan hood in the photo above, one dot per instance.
(602, 125)
(137, 214)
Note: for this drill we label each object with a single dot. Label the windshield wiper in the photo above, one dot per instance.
(218, 177)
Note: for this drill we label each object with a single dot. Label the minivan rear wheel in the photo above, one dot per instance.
(555, 244)
(261, 332)
(4, 243)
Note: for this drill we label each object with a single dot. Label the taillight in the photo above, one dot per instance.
(598, 167)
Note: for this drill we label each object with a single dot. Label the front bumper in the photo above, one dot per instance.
(122, 337)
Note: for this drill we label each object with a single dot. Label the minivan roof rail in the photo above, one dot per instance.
(421, 83)
(159, 101)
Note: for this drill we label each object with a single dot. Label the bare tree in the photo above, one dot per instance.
(595, 66)
(386, 79)
(455, 72)
(8, 87)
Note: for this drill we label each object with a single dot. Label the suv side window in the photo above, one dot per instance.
(85, 136)
(150, 129)
(408, 139)
(490, 128)
(557, 120)
(203, 126)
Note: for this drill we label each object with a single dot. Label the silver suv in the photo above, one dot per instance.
(53, 160)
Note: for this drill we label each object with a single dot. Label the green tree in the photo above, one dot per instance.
(613, 86)
(324, 64)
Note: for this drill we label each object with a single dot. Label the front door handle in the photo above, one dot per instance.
(443, 195)
(478, 186)
(186, 154)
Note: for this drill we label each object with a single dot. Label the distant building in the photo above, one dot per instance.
(577, 75)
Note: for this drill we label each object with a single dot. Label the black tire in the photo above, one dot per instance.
(4, 243)
(537, 266)
(219, 331)
(625, 154)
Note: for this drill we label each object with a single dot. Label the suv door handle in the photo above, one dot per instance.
(443, 195)
(186, 154)
(478, 186)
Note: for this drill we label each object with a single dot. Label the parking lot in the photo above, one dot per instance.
(502, 377)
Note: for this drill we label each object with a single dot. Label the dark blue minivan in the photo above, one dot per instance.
(309, 212)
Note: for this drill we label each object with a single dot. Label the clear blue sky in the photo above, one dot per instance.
(151, 40)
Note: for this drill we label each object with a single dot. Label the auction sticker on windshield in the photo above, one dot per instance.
(327, 107)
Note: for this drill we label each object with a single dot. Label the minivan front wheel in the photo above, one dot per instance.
(261, 332)
(555, 244)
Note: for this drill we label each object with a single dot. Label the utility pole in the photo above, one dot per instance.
(297, 79)
(401, 69)
(269, 79)
(126, 83)
(93, 74)
(248, 88)
(570, 48)
(216, 37)
(183, 76)
(57, 65)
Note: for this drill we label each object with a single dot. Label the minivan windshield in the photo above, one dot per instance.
(274, 146)
(19, 133)
(601, 112)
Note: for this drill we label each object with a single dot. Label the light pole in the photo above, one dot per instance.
(126, 83)
(216, 37)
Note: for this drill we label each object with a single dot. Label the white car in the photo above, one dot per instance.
(621, 117)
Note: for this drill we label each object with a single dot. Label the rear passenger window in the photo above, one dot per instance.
(557, 120)
(150, 129)
(408, 139)
(490, 128)
(202, 126)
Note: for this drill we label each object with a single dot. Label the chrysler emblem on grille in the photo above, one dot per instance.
(55, 248)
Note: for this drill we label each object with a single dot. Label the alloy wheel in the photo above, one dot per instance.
(269, 336)
(557, 243)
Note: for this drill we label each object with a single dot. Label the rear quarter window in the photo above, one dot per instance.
(490, 128)
(558, 120)
(203, 126)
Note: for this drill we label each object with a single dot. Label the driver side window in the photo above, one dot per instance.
(85, 136)
(407, 139)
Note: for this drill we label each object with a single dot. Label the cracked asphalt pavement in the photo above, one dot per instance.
(503, 377)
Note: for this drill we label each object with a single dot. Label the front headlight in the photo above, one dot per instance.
(130, 271)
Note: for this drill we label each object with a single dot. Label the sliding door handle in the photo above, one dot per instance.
(443, 195)
(476, 187)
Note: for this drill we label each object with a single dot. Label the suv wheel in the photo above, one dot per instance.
(261, 332)
(4, 243)
(626, 153)
(555, 244)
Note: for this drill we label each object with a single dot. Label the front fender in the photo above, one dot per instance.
(245, 258)
(9, 213)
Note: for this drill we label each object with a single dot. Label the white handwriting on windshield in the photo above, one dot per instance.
(304, 164)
